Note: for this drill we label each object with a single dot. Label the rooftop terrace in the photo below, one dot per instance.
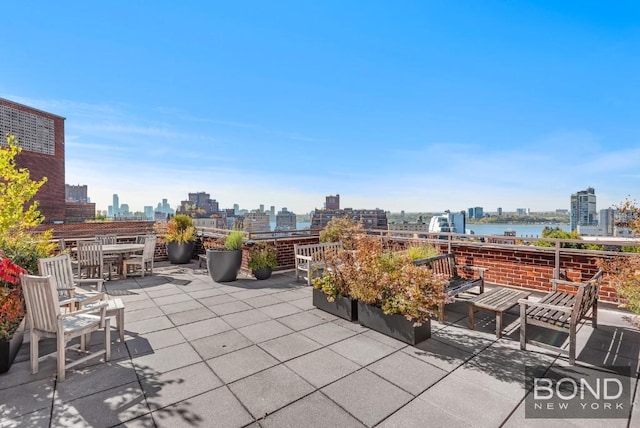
(258, 354)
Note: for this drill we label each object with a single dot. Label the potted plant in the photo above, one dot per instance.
(12, 312)
(223, 264)
(262, 260)
(394, 296)
(180, 237)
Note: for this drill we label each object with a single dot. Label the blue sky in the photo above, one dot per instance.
(407, 105)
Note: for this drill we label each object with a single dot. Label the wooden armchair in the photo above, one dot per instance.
(46, 320)
(61, 270)
(561, 311)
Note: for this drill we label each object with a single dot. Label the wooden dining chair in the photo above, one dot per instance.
(91, 260)
(144, 260)
(47, 321)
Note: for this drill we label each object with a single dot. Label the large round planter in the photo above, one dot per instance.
(262, 273)
(223, 265)
(180, 253)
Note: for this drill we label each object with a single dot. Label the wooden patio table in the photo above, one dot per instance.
(497, 301)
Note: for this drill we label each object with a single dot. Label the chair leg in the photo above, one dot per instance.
(107, 339)
(441, 312)
(120, 321)
(523, 327)
(594, 314)
(572, 344)
(35, 338)
(61, 357)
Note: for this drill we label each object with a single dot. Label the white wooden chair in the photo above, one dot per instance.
(143, 260)
(46, 320)
(110, 260)
(91, 260)
(61, 269)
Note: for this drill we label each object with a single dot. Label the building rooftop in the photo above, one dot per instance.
(259, 354)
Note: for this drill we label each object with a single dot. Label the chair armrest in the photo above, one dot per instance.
(92, 298)
(480, 270)
(66, 302)
(307, 258)
(98, 281)
(526, 302)
(96, 308)
(556, 282)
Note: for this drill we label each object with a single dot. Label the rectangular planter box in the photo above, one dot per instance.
(395, 326)
(9, 348)
(342, 307)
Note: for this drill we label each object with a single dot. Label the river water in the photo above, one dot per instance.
(525, 230)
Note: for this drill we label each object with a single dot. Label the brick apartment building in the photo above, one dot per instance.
(370, 219)
(41, 136)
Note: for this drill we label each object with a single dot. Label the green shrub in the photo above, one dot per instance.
(262, 255)
(234, 240)
(180, 229)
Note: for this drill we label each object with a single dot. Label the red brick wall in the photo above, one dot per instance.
(51, 197)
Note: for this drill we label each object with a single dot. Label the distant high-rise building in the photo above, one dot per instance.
(116, 204)
(285, 220)
(332, 202)
(199, 204)
(521, 211)
(41, 137)
(256, 221)
(476, 212)
(236, 208)
(370, 219)
(583, 208)
(75, 193)
(499, 210)
(148, 212)
(261, 208)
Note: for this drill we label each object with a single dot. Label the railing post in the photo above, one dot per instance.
(556, 269)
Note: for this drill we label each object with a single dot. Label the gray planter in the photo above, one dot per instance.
(395, 325)
(9, 348)
(223, 265)
(262, 273)
(180, 253)
(342, 307)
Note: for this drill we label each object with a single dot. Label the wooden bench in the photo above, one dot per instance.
(446, 266)
(310, 258)
(561, 311)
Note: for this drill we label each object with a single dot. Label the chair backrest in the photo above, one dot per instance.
(443, 264)
(43, 306)
(587, 295)
(89, 254)
(106, 239)
(60, 269)
(149, 248)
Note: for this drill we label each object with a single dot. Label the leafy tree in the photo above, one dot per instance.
(19, 215)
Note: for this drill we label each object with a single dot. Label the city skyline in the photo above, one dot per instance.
(420, 107)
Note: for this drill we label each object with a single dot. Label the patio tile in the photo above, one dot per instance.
(37, 419)
(270, 390)
(313, 411)
(306, 303)
(142, 314)
(230, 307)
(190, 316)
(206, 292)
(362, 349)
(289, 295)
(326, 333)
(167, 359)
(220, 344)
(301, 321)
(242, 363)
(334, 367)
(164, 291)
(20, 371)
(439, 354)
(106, 408)
(367, 396)
(468, 340)
(144, 421)
(217, 300)
(387, 340)
(204, 328)
(247, 294)
(290, 346)
(175, 298)
(217, 408)
(463, 399)
(280, 310)
(263, 300)
(26, 398)
(172, 387)
(95, 378)
(187, 305)
(420, 414)
(151, 342)
(245, 318)
(148, 325)
(135, 305)
(409, 373)
(265, 331)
